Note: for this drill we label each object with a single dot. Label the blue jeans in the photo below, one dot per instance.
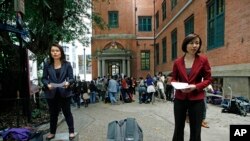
(205, 108)
(142, 91)
(92, 97)
(112, 97)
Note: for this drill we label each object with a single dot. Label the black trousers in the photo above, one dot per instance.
(195, 112)
(55, 106)
(124, 93)
(77, 99)
(169, 90)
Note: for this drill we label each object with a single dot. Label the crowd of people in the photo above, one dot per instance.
(116, 89)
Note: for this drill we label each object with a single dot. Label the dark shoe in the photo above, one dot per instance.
(71, 136)
(50, 136)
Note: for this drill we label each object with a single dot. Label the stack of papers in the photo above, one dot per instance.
(55, 85)
(179, 85)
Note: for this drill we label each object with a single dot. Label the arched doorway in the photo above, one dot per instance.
(113, 59)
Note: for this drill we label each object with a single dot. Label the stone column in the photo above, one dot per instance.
(123, 66)
(99, 67)
(128, 67)
(103, 67)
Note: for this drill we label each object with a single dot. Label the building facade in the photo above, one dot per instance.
(79, 57)
(145, 36)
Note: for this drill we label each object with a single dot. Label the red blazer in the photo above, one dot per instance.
(200, 76)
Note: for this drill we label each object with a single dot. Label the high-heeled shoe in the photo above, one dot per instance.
(204, 124)
(71, 136)
(50, 136)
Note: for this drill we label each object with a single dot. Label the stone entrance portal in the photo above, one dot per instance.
(113, 59)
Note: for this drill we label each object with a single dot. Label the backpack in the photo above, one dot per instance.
(235, 107)
(124, 130)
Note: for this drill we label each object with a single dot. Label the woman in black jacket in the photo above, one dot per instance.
(57, 77)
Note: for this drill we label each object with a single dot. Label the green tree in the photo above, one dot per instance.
(49, 21)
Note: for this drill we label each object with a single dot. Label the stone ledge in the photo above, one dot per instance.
(62, 137)
(45, 127)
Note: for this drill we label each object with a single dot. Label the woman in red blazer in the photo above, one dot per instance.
(195, 70)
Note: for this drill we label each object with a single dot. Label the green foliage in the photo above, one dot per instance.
(7, 61)
(53, 20)
(36, 113)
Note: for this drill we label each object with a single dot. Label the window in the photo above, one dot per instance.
(115, 69)
(145, 60)
(157, 52)
(157, 19)
(174, 43)
(113, 19)
(189, 25)
(216, 23)
(164, 10)
(173, 3)
(66, 49)
(164, 50)
(67, 57)
(145, 23)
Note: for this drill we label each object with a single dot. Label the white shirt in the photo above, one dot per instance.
(160, 85)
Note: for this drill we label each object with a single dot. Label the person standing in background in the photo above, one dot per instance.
(208, 89)
(161, 90)
(124, 88)
(112, 90)
(78, 92)
(142, 90)
(169, 87)
(93, 91)
(57, 77)
(191, 68)
(150, 88)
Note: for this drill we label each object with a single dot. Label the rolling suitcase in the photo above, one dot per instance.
(124, 130)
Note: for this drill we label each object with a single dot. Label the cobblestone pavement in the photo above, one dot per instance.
(157, 121)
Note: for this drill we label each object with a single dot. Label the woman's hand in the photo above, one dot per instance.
(49, 86)
(66, 85)
(189, 88)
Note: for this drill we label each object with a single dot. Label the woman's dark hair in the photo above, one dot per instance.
(188, 39)
(160, 73)
(62, 59)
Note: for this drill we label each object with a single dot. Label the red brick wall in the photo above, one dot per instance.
(126, 16)
(235, 50)
(129, 10)
(237, 38)
(237, 23)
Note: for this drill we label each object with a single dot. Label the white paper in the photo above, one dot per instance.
(179, 85)
(55, 85)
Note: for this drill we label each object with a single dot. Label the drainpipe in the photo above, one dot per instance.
(154, 40)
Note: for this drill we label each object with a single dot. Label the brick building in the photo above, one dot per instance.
(145, 36)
